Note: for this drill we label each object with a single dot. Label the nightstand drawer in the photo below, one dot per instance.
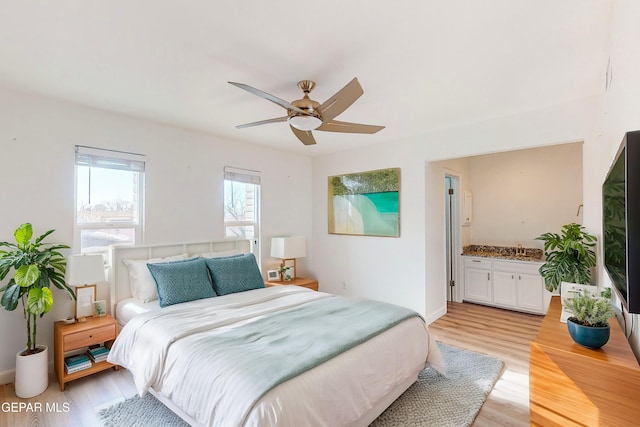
(89, 337)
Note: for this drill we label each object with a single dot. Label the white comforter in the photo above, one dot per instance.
(156, 347)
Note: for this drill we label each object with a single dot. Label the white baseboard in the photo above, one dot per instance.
(7, 377)
(436, 315)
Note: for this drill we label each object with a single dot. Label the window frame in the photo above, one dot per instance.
(115, 160)
(246, 176)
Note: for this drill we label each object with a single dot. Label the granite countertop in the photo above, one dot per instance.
(504, 252)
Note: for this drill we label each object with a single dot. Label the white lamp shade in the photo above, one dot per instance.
(85, 269)
(288, 247)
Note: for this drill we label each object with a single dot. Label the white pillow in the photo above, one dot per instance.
(141, 283)
(220, 254)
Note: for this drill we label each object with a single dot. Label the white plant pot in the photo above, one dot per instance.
(32, 373)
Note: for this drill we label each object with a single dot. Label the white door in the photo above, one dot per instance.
(530, 292)
(477, 285)
(504, 288)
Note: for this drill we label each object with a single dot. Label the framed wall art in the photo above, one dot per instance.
(365, 203)
(273, 275)
(85, 296)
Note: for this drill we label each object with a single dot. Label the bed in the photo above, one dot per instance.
(263, 356)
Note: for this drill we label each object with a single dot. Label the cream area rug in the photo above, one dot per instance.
(451, 400)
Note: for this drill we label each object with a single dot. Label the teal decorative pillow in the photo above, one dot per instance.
(181, 281)
(235, 274)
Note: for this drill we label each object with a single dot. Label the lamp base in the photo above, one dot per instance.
(284, 264)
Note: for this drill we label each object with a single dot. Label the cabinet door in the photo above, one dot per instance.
(477, 285)
(530, 291)
(504, 288)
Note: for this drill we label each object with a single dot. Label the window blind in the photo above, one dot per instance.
(109, 159)
(246, 176)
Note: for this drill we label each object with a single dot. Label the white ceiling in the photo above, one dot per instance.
(423, 64)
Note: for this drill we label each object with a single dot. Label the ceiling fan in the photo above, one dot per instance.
(305, 115)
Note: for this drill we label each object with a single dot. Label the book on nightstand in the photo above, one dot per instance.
(77, 363)
(98, 354)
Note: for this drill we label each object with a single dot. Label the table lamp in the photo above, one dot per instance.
(288, 249)
(84, 271)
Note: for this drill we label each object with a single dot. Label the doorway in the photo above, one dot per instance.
(452, 234)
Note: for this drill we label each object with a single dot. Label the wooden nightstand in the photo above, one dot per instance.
(298, 281)
(95, 330)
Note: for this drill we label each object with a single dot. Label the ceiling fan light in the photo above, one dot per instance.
(305, 123)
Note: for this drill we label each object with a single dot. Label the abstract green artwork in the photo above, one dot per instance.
(365, 203)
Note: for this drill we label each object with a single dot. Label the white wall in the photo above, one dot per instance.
(435, 172)
(184, 184)
(410, 270)
(518, 195)
(459, 168)
(621, 107)
(367, 266)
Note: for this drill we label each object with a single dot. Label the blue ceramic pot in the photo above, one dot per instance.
(589, 336)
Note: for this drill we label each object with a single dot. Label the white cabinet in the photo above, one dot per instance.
(515, 285)
(525, 290)
(467, 208)
(504, 288)
(531, 293)
(477, 280)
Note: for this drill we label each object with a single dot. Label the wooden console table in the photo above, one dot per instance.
(570, 385)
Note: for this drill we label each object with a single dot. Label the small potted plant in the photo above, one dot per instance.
(589, 325)
(36, 265)
(284, 272)
(569, 256)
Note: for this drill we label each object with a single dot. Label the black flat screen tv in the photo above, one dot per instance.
(621, 222)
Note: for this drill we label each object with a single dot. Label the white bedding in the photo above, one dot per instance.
(338, 392)
(129, 308)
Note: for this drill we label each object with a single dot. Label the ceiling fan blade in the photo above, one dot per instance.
(263, 122)
(336, 126)
(305, 136)
(265, 95)
(339, 102)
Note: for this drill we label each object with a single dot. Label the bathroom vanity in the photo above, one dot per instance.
(505, 279)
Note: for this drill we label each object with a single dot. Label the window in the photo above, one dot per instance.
(242, 204)
(109, 198)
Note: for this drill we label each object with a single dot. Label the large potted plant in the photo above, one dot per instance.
(589, 324)
(569, 256)
(35, 266)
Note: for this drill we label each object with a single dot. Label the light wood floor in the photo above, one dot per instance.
(500, 333)
(503, 334)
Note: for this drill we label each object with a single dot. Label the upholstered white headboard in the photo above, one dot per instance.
(118, 274)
